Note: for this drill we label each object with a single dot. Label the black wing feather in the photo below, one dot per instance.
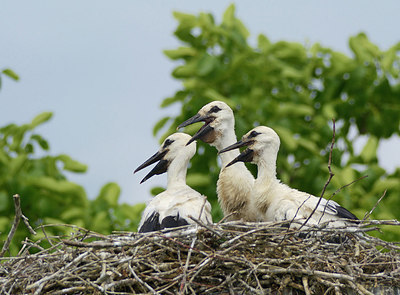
(173, 221)
(151, 224)
(344, 213)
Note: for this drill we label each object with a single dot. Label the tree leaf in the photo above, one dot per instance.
(73, 213)
(40, 119)
(295, 109)
(185, 71)
(229, 16)
(386, 184)
(179, 96)
(287, 137)
(16, 164)
(41, 141)
(368, 153)
(57, 186)
(160, 124)
(181, 52)
(101, 222)
(197, 179)
(109, 194)
(185, 19)
(206, 64)
(363, 48)
(263, 42)
(156, 190)
(11, 74)
(72, 165)
(5, 201)
(212, 94)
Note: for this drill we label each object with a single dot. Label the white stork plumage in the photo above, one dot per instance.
(173, 207)
(235, 183)
(275, 200)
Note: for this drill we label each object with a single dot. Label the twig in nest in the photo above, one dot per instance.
(297, 211)
(330, 175)
(346, 185)
(373, 208)
(183, 283)
(202, 208)
(205, 226)
(26, 221)
(141, 281)
(47, 238)
(40, 283)
(227, 216)
(338, 190)
(305, 285)
(17, 218)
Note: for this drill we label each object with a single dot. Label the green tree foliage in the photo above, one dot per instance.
(8, 73)
(297, 90)
(47, 196)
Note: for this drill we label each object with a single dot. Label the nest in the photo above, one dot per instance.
(225, 258)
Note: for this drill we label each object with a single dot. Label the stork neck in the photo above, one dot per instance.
(267, 168)
(176, 173)
(226, 139)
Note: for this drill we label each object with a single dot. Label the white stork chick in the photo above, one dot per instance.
(173, 207)
(235, 183)
(275, 200)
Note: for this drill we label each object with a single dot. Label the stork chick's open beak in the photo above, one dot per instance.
(203, 131)
(245, 156)
(160, 168)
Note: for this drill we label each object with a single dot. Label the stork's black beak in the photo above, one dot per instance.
(201, 133)
(160, 168)
(196, 118)
(245, 156)
(237, 145)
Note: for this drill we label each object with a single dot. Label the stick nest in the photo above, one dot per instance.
(227, 258)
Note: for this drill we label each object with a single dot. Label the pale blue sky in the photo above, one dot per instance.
(99, 66)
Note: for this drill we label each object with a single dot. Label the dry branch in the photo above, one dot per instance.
(331, 174)
(17, 218)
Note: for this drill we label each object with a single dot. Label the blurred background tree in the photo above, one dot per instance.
(47, 197)
(297, 90)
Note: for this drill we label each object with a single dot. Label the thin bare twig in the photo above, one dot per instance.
(346, 185)
(140, 280)
(204, 225)
(305, 285)
(183, 283)
(226, 217)
(373, 208)
(338, 190)
(329, 178)
(202, 208)
(17, 218)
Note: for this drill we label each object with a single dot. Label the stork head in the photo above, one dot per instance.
(174, 148)
(260, 141)
(217, 117)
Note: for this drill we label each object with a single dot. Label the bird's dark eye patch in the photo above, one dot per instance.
(167, 143)
(214, 109)
(254, 134)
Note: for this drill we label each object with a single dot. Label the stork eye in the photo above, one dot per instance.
(167, 143)
(253, 134)
(214, 109)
